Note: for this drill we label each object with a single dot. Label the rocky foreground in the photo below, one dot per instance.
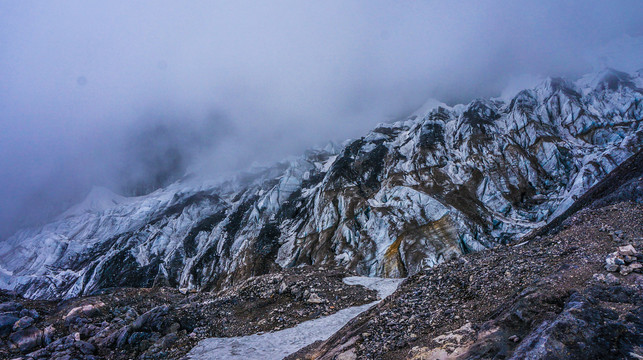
(163, 323)
(576, 294)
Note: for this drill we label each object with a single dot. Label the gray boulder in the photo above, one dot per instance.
(151, 320)
(23, 323)
(27, 339)
(6, 324)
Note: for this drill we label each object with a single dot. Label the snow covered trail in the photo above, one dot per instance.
(279, 344)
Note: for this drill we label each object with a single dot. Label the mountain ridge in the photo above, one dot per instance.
(408, 195)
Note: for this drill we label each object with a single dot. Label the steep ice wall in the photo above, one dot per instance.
(407, 195)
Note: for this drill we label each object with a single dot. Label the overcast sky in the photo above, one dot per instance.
(120, 92)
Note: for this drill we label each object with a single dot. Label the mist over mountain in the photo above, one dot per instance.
(521, 200)
(321, 180)
(438, 184)
(132, 95)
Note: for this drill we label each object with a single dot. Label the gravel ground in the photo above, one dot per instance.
(163, 323)
(550, 297)
(278, 344)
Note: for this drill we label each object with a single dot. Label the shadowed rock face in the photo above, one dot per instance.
(407, 195)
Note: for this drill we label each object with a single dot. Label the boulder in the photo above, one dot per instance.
(627, 250)
(106, 337)
(10, 306)
(31, 313)
(627, 269)
(151, 320)
(582, 321)
(6, 324)
(137, 337)
(168, 340)
(314, 299)
(89, 310)
(611, 267)
(27, 339)
(23, 323)
(608, 279)
(48, 334)
(611, 259)
(123, 335)
(40, 354)
(85, 347)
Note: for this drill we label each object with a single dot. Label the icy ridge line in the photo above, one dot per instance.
(411, 194)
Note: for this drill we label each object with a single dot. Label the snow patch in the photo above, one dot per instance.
(279, 344)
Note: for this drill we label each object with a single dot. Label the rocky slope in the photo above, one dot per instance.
(275, 345)
(162, 323)
(575, 293)
(408, 195)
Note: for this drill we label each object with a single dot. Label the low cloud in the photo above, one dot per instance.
(131, 94)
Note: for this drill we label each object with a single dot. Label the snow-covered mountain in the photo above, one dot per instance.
(445, 181)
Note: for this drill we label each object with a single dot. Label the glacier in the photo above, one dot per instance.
(445, 181)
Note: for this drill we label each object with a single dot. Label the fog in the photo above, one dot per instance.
(132, 94)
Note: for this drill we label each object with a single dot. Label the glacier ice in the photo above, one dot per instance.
(412, 193)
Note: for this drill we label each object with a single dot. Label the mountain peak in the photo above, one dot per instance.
(405, 196)
(607, 79)
(99, 199)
